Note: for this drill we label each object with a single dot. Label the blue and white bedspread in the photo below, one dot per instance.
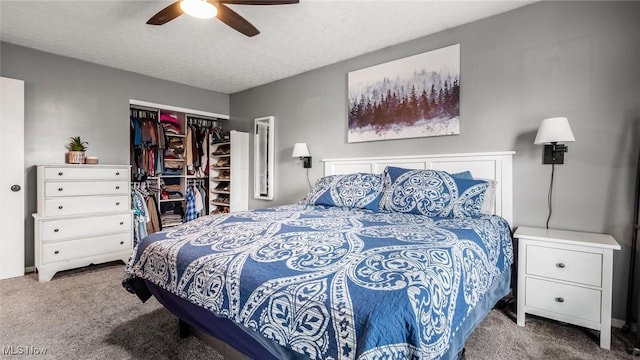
(336, 283)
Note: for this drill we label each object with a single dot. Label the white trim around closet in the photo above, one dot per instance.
(177, 109)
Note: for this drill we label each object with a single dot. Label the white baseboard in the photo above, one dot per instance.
(29, 269)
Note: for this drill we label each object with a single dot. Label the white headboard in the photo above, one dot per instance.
(491, 165)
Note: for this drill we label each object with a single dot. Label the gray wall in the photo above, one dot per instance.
(65, 97)
(574, 59)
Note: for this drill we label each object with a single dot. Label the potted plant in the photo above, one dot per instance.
(77, 149)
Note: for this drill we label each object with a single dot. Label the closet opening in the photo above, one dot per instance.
(175, 169)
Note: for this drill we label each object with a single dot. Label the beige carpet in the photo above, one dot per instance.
(499, 337)
(86, 314)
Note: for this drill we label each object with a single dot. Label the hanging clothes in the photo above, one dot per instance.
(195, 144)
(161, 147)
(144, 143)
(204, 155)
(141, 216)
(198, 199)
(191, 212)
(203, 195)
(189, 152)
(201, 129)
(154, 225)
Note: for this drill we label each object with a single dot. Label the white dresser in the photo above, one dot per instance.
(84, 217)
(566, 276)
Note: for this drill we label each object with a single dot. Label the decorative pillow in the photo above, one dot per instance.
(431, 193)
(358, 190)
(489, 195)
(463, 175)
(489, 198)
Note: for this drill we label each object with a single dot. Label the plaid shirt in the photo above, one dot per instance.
(191, 213)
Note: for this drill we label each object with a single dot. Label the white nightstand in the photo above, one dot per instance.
(566, 276)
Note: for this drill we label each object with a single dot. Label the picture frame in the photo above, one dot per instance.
(416, 96)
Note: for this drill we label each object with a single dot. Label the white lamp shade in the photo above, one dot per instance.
(555, 129)
(199, 8)
(300, 150)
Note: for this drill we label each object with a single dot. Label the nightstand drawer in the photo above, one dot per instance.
(569, 300)
(575, 266)
(75, 249)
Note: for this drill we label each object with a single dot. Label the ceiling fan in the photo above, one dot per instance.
(211, 8)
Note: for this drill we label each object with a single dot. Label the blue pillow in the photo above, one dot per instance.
(358, 190)
(432, 193)
(489, 194)
(463, 175)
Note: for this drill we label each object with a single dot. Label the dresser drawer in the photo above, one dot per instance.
(74, 188)
(76, 249)
(575, 266)
(569, 300)
(85, 205)
(84, 227)
(85, 173)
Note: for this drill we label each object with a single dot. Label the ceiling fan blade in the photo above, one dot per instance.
(236, 21)
(167, 14)
(259, 2)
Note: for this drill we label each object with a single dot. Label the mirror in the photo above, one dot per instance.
(263, 158)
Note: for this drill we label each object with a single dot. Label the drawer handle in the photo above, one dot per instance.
(559, 299)
(560, 265)
(118, 203)
(121, 222)
(60, 207)
(56, 252)
(59, 189)
(117, 187)
(121, 242)
(60, 173)
(117, 173)
(56, 230)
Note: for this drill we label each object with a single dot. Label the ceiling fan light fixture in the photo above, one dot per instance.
(201, 9)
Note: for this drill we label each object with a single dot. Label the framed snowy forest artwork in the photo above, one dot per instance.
(416, 96)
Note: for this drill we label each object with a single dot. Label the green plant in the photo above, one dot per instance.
(77, 144)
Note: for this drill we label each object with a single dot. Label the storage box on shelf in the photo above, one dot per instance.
(83, 217)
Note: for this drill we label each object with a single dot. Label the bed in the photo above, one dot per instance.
(372, 264)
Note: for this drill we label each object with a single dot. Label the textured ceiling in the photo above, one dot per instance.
(209, 54)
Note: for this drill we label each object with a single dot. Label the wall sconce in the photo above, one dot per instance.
(550, 132)
(300, 150)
